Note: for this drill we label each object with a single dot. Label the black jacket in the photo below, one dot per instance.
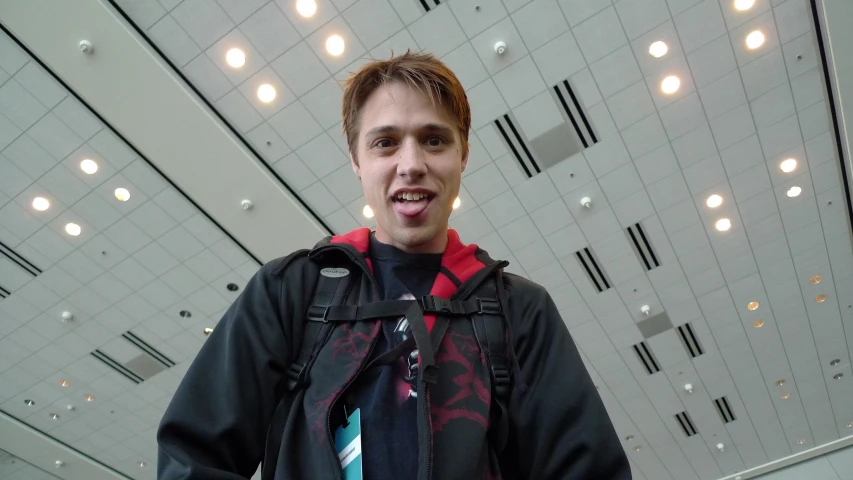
(218, 425)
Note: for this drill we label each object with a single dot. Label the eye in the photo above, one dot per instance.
(435, 141)
(383, 143)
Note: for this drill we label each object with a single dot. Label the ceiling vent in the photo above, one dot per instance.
(425, 4)
(517, 143)
(573, 112)
(593, 270)
(4, 293)
(686, 424)
(689, 340)
(642, 247)
(133, 358)
(20, 261)
(646, 358)
(724, 410)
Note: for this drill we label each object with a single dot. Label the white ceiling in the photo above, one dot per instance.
(737, 115)
(13, 468)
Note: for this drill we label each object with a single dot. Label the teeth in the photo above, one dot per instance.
(411, 196)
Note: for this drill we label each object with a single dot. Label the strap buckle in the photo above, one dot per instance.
(296, 376)
(434, 304)
(489, 306)
(501, 379)
(318, 313)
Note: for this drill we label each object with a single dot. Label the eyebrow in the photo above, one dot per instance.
(429, 127)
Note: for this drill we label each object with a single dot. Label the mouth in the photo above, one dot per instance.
(412, 203)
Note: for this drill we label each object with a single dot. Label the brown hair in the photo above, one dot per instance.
(421, 70)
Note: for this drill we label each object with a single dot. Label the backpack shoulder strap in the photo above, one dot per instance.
(490, 330)
(332, 288)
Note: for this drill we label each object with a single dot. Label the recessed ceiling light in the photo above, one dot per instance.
(457, 203)
(723, 224)
(758, 323)
(73, 229)
(235, 58)
(638, 448)
(208, 331)
(306, 8)
(815, 280)
(54, 416)
(670, 84)
(788, 165)
(266, 93)
(29, 402)
(232, 287)
(744, 4)
(837, 376)
(89, 397)
(714, 201)
(185, 314)
(367, 211)
(41, 204)
(754, 40)
(780, 382)
(794, 191)
(141, 464)
(335, 45)
(834, 362)
(800, 441)
(658, 49)
(752, 306)
(849, 425)
(89, 166)
(122, 195)
(629, 438)
(785, 396)
(64, 383)
(820, 298)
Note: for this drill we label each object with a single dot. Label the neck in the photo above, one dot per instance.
(436, 244)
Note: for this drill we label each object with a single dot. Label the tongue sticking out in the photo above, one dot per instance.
(411, 208)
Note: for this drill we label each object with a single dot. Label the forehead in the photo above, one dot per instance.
(403, 106)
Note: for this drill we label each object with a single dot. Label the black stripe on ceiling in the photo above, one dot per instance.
(832, 110)
(580, 111)
(512, 147)
(571, 117)
(133, 147)
(425, 5)
(20, 260)
(186, 80)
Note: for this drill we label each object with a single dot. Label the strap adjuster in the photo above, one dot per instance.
(434, 304)
(501, 379)
(318, 313)
(296, 376)
(489, 306)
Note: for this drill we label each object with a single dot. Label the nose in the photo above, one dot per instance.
(412, 160)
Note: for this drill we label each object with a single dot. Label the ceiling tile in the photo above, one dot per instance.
(536, 192)
(750, 183)
(465, 63)
(320, 198)
(270, 32)
(600, 35)
(8, 132)
(180, 243)
(484, 44)
(324, 103)
(487, 104)
(640, 16)
(814, 120)
(764, 74)
(712, 61)
(520, 233)
(631, 105)
(112, 148)
(735, 17)
(793, 18)
(566, 241)
(559, 59)
(238, 111)
(602, 122)
(800, 55)
(723, 95)
(700, 24)
(207, 266)
(683, 116)
(293, 170)
(539, 22)
(616, 71)
(439, 32)
(41, 84)
(665, 33)
(538, 116)
(773, 106)
(373, 21)
(820, 149)
(205, 21)
(675, 67)
(503, 209)
(472, 224)
(301, 69)
(174, 41)
(306, 26)
(576, 11)
(535, 256)
(552, 217)
(574, 172)
(764, 24)
(475, 20)
(620, 183)
(322, 156)
(485, 184)
(606, 156)
(669, 191)
(54, 136)
(644, 136)
(14, 180)
(296, 126)
(19, 106)
(705, 174)
(519, 82)
(343, 185)
(353, 47)
(267, 143)
(144, 12)
(733, 127)
(780, 137)
(29, 156)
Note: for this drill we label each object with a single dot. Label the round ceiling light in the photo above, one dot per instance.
(658, 49)
(73, 229)
(335, 45)
(723, 224)
(457, 203)
(780, 382)
(638, 448)
(758, 323)
(794, 191)
(235, 58)
(820, 298)
(785, 396)
(800, 441)
(367, 211)
(849, 425)
(788, 165)
(837, 376)
(89, 397)
(266, 93)
(89, 166)
(54, 416)
(744, 4)
(670, 85)
(815, 280)
(122, 195)
(754, 40)
(41, 204)
(208, 331)
(29, 402)
(64, 383)
(306, 8)
(714, 201)
(752, 306)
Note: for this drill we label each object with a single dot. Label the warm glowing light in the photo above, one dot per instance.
(820, 298)
(89, 166)
(457, 203)
(335, 45)
(785, 396)
(723, 224)
(788, 165)
(744, 4)
(758, 323)
(815, 280)
(367, 211)
(794, 191)
(122, 194)
(41, 204)
(751, 306)
(266, 93)
(658, 49)
(73, 229)
(714, 201)
(64, 383)
(89, 397)
(235, 58)
(670, 84)
(306, 8)
(754, 40)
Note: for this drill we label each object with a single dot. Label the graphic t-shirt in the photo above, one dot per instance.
(388, 403)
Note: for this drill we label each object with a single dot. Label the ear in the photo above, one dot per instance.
(355, 167)
(465, 159)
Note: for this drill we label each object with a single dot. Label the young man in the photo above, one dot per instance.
(417, 384)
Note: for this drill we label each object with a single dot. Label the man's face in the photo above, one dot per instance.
(410, 160)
